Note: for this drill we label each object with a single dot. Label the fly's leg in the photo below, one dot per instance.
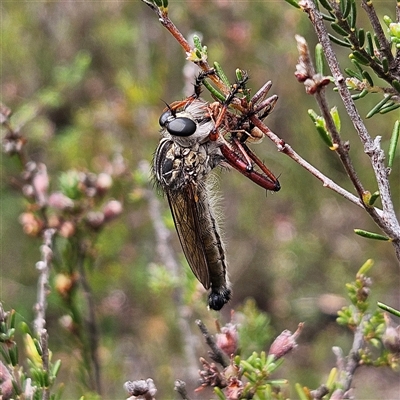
(236, 88)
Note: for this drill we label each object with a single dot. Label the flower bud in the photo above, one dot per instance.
(60, 201)
(67, 229)
(285, 343)
(31, 225)
(63, 284)
(112, 209)
(141, 387)
(235, 389)
(103, 183)
(227, 340)
(391, 336)
(95, 219)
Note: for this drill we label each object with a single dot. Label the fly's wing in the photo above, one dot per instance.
(184, 208)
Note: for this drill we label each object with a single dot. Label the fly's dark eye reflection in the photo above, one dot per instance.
(177, 126)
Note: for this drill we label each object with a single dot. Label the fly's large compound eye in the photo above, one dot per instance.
(181, 126)
(164, 118)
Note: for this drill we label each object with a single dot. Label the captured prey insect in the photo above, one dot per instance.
(193, 142)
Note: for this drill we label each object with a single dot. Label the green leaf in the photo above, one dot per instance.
(378, 106)
(360, 58)
(336, 118)
(389, 309)
(353, 15)
(320, 125)
(345, 6)
(293, 3)
(338, 29)
(368, 78)
(339, 42)
(353, 74)
(388, 108)
(220, 72)
(319, 59)
(371, 235)
(361, 36)
(373, 198)
(394, 139)
(325, 4)
(360, 95)
(365, 267)
(214, 92)
(300, 392)
(396, 85)
(369, 46)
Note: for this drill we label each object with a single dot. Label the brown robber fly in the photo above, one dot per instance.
(196, 137)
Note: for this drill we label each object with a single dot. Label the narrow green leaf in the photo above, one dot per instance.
(336, 118)
(293, 3)
(385, 65)
(319, 59)
(219, 393)
(389, 309)
(327, 17)
(324, 134)
(12, 318)
(387, 20)
(366, 267)
(197, 43)
(386, 110)
(369, 46)
(396, 85)
(332, 378)
(373, 198)
(353, 15)
(300, 392)
(165, 4)
(38, 346)
(371, 235)
(393, 143)
(214, 92)
(325, 4)
(239, 74)
(13, 352)
(158, 3)
(338, 41)
(346, 8)
(358, 66)
(360, 95)
(221, 74)
(5, 355)
(353, 74)
(361, 37)
(378, 107)
(368, 78)
(338, 29)
(359, 57)
(56, 368)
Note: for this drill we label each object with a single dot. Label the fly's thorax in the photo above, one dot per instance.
(176, 166)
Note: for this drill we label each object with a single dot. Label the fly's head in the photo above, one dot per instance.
(187, 123)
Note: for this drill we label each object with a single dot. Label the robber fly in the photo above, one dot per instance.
(193, 142)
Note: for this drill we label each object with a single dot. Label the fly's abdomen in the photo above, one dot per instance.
(214, 251)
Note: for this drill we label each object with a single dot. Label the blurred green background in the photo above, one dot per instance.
(94, 76)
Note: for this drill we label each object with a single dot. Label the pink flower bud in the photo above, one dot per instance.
(227, 340)
(95, 219)
(103, 182)
(285, 343)
(60, 201)
(112, 209)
